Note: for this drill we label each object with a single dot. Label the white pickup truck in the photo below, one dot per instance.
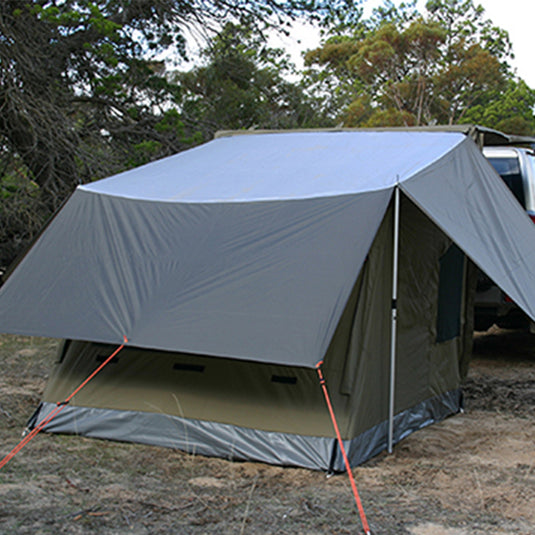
(516, 166)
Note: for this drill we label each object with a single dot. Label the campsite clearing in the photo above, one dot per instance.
(472, 474)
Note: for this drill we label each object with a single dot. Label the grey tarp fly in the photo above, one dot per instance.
(251, 249)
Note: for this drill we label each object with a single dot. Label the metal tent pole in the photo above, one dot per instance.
(394, 321)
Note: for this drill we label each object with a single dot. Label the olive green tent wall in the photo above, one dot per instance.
(277, 413)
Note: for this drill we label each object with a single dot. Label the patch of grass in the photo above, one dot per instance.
(26, 358)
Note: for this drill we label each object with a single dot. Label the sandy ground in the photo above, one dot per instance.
(471, 474)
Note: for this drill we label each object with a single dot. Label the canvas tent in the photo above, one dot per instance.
(235, 267)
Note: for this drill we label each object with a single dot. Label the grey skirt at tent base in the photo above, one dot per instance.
(235, 443)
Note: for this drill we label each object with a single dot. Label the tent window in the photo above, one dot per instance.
(284, 379)
(188, 367)
(450, 294)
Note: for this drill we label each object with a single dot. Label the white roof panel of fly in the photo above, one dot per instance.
(285, 165)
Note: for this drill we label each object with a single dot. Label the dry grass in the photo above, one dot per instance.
(473, 474)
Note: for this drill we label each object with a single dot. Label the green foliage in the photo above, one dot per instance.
(21, 211)
(15, 180)
(400, 67)
(509, 111)
(241, 85)
(464, 21)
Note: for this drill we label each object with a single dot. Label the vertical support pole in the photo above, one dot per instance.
(393, 338)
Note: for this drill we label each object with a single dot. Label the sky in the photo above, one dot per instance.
(515, 16)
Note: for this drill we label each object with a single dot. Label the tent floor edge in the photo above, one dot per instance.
(374, 440)
(231, 442)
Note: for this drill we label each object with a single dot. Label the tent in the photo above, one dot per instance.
(234, 268)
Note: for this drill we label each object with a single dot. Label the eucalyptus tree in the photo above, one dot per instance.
(402, 67)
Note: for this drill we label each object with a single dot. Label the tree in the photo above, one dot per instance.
(72, 84)
(83, 90)
(402, 68)
(242, 85)
(464, 21)
(509, 111)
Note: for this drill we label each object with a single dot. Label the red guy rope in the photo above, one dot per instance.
(59, 407)
(343, 450)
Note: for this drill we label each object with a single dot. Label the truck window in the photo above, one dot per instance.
(509, 170)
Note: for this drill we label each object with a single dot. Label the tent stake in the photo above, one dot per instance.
(394, 321)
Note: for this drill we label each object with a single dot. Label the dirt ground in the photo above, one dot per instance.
(472, 474)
